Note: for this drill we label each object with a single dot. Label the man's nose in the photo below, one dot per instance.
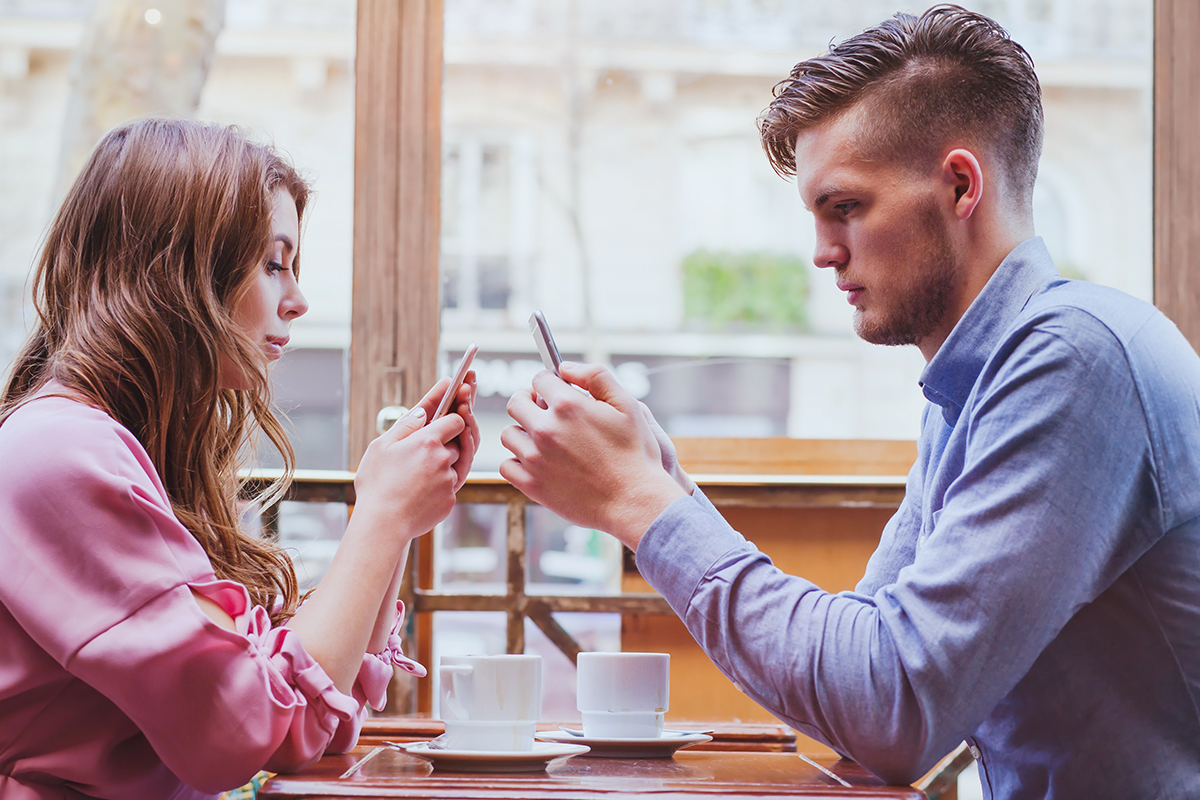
(830, 253)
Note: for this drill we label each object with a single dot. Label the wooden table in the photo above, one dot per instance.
(730, 775)
(771, 738)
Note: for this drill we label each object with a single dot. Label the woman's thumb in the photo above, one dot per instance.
(411, 422)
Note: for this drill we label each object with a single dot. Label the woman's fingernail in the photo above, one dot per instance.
(568, 364)
(417, 412)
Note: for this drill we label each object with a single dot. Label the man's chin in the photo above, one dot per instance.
(866, 328)
(879, 332)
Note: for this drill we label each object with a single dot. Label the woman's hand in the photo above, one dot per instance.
(405, 485)
(408, 476)
(468, 440)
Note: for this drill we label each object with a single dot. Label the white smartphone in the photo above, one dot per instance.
(545, 342)
(460, 375)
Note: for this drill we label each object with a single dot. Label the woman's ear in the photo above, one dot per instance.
(962, 172)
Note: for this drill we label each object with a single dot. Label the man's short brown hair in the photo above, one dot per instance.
(948, 77)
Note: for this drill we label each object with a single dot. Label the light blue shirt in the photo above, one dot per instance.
(1037, 592)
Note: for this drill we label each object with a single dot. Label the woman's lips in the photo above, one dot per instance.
(274, 348)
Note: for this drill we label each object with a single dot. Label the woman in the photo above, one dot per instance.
(149, 647)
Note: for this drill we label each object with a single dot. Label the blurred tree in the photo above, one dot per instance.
(136, 58)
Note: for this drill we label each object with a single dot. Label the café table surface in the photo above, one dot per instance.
(772, 737)
(732, 775)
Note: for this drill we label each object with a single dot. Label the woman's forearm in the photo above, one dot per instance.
(386, 619)
(405, 485)
(339, 620)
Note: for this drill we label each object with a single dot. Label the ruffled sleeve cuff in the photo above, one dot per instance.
(319, 717)
(376, 672)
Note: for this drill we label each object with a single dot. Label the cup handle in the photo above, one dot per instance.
(458, 694)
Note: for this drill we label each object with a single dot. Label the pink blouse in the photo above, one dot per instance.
(113, 682)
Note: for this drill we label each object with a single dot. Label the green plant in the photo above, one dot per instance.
(750, 290)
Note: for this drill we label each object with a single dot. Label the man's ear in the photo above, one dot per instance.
(961, 170)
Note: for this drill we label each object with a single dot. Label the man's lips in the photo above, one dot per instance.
(853, 291)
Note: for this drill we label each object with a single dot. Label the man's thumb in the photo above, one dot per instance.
(598, 382)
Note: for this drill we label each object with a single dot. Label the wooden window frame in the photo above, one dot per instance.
(1177, 164)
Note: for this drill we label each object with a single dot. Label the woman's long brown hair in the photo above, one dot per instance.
(162, 232)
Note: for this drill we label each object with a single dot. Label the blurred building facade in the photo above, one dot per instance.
(601, 163)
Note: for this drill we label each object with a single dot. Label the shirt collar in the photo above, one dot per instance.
(950, 375)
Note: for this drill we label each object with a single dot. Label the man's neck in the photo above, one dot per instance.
(980, 266)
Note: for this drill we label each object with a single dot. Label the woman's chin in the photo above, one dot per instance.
(236, 380)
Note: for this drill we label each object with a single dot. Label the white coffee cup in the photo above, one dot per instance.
(490, 702)
(623, 695)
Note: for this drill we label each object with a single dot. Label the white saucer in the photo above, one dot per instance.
(534, 760)
(662, 747)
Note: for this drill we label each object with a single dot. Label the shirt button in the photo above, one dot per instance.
(974, 751)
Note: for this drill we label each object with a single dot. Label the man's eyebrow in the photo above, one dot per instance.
(824, 196)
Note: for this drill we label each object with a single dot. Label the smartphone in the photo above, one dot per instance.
(460, 375)
(545, 342)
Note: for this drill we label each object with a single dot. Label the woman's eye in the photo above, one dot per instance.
(274, 266)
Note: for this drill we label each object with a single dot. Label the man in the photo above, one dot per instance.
(1038, 591)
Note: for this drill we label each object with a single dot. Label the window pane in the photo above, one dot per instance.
(281, 70)
(603, 165)
(285, 71)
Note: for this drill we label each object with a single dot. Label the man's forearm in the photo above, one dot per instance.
(821, 662)
(634, 513)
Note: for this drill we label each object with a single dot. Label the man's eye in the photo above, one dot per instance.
(845, 208)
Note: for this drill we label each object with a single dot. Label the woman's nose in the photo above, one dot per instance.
(294, 303)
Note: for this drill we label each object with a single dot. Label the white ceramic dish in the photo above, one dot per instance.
(662, 747)
(534, 760)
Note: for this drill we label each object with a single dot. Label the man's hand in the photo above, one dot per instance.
(593, 459)
(670, 460)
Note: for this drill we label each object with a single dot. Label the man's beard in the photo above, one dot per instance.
(916, 307)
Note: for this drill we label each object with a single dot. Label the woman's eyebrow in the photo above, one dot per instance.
(287, 240)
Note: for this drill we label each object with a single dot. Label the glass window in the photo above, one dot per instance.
(628, 198)
(285, 70)
(281, 70)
